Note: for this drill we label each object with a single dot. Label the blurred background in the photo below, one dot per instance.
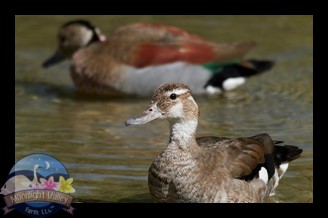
(108, 161)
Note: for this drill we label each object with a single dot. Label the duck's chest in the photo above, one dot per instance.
(174, 179)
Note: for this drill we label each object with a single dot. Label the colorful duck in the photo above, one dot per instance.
(136, 58)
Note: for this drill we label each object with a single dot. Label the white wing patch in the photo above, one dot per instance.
(263, 175)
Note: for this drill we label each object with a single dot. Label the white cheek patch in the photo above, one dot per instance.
(87, 35)
(232, 83)
(177, 110)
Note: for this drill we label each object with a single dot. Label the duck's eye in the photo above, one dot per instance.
(173, 96)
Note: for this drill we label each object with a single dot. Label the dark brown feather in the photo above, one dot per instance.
(246, 156)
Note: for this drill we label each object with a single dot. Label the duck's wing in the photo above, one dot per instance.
(142, 45)
(243, 157)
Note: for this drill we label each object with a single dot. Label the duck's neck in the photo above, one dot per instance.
(182, 132)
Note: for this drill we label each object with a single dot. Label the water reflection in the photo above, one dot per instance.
(108, 161)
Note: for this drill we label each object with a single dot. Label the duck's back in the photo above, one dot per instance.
(144, 44)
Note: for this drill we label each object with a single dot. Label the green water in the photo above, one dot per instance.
(109, 161)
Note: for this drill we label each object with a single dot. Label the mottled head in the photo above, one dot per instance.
(170, 100)
(72, 36)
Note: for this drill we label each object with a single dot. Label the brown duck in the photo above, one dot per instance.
(209, 169)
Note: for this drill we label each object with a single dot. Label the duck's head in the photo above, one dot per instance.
(72, 36)
(171, 101)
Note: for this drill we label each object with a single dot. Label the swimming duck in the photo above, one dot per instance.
(136, 58)
(209, 169)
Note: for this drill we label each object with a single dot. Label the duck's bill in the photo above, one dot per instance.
(54, 59)
(151, 113)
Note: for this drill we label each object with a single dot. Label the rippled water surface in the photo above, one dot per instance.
(109, 161)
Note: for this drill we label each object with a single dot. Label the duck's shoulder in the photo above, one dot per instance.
(262, 140)
(235, 144)
(212, 141)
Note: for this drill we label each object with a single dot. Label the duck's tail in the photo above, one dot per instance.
(252, 67)
(282, 156)
(276, 155)
(286, 153)
(233, 75)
